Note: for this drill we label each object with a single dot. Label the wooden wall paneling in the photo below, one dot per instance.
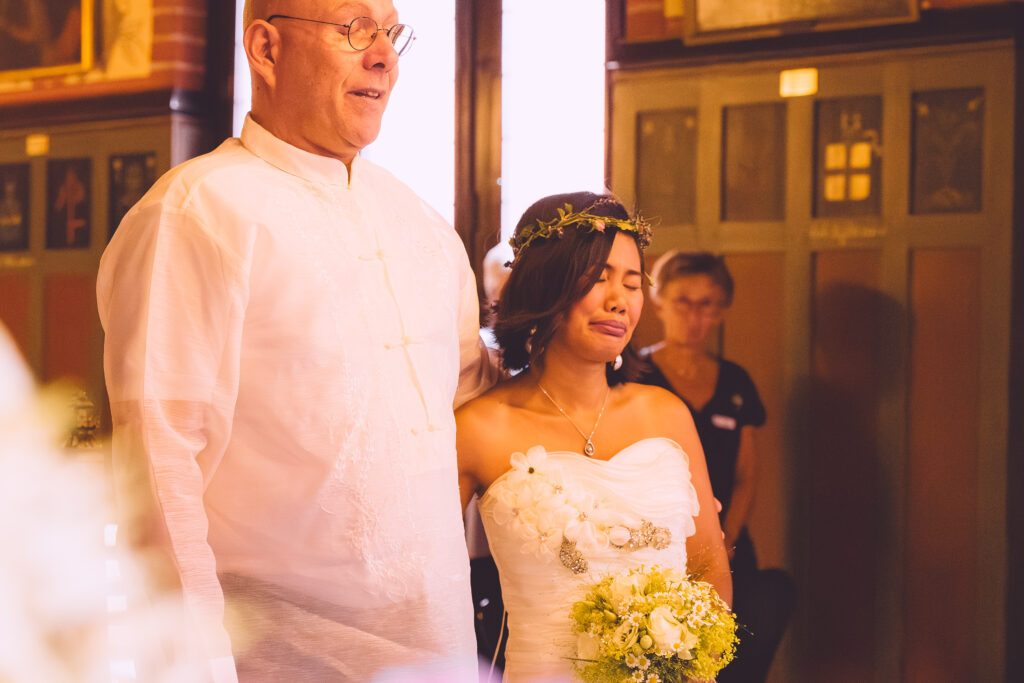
(941, 578)
(842, 468)
(892, 82)
(69, 334)
(1014, 466)
(815, 253)
(725, 225)
(625, 115)
(1004, 105)
(63, 334)
(971, 20)
(990, 231)
(15, 308)
(755, 331)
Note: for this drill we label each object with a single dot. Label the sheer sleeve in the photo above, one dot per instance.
(172, 297)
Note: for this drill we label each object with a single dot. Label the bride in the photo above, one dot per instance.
(580, 473)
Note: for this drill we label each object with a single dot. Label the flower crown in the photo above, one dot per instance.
(582, 220)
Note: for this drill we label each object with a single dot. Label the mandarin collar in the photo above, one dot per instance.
(314, 168)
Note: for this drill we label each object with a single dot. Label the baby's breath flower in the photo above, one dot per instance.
(655, 625)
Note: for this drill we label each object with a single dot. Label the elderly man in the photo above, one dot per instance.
(288, 328)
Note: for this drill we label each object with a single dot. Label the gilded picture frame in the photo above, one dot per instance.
(708, 21)
(40, 38)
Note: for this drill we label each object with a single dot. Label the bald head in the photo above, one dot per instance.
(310, 87)
(260, 9)
(248, 13)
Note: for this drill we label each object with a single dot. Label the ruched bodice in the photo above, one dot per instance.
(559, 521)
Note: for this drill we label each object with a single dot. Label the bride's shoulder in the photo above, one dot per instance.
(648, 396)
(491, 409)
(487, 430)
(498, 398)
(657, 410)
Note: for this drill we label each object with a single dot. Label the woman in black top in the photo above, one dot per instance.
(691, 294)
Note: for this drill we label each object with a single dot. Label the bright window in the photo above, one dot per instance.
(552, 101)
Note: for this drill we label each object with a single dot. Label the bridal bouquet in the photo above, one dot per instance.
(652, 625)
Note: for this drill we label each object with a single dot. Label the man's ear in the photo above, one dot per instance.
(262, 43)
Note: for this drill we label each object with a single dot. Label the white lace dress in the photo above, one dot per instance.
(559, 521)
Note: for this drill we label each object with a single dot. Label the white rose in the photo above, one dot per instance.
(588, 647)
(626, 635)
(624, 588)
(670, 636)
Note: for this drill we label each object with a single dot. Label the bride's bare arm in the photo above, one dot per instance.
(467, 447)
(705, 550)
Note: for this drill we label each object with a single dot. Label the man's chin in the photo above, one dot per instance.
(358, 140)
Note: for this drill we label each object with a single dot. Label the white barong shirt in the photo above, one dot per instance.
(284, 347)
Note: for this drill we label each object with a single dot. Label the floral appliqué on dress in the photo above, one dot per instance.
(555, 518)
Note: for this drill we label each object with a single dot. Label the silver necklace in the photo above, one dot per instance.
(588, 447)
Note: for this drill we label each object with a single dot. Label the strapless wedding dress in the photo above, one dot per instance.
(557, 522)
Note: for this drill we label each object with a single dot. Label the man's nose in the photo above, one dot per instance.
(381, 54)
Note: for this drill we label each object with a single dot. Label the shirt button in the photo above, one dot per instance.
(380, 254)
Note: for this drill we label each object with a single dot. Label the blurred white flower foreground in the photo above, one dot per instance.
(71, 607)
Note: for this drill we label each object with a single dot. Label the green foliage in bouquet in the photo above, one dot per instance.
(652, 625)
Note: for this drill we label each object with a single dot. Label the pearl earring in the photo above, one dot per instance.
(529, 340)
(617, 365)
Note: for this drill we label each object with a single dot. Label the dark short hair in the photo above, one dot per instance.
(550, 276)
(676, 264)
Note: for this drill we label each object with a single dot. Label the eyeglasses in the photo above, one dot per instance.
(705, 308)
(362, 31)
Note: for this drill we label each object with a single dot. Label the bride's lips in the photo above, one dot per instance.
(612, 328)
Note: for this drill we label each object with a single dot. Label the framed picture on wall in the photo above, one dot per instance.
(14, 207)
(724, 20)
(754, 162)
(948, 133)
(666, 165)
(131, 175)
(68, 203)
(848, 157)
(45, 37)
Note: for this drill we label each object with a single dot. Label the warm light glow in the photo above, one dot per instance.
(798, 82)
(37, 145)
(417, 137)
(117, 603)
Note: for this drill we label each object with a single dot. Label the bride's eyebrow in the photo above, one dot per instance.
(631, 271)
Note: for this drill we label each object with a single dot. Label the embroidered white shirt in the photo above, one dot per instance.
(284, 346)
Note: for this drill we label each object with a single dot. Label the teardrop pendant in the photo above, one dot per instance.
(589, 449)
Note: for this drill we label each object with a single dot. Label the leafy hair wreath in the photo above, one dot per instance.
(582, 220)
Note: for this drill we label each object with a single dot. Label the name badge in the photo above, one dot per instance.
(724, 422)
